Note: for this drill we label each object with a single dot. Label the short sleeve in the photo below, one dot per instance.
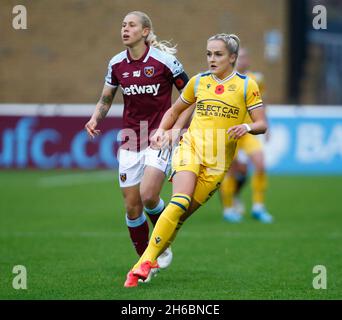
(176, 67)
(179, 77)
(253, 97)
(188, 95)
(110, 78)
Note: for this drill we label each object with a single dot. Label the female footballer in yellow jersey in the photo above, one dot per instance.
(223, 97)
(252, 148)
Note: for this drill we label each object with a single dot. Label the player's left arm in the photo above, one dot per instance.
(177, 73)
(258, 126)
(260, 80)
(180, 81)
(256, 111)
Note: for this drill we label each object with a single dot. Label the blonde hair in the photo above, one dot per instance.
(231, 41)
(151, 39)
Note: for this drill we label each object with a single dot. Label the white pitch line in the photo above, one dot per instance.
(62, 234)
(76, 178)
(258, 235)
(185, 234)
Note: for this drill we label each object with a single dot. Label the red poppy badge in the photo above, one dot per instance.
(219, 89)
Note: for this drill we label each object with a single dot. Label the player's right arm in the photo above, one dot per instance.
(184, 102)
(183, 121)
(101, 110)
(169, 119)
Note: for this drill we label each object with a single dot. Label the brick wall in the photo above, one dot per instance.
(63, 55)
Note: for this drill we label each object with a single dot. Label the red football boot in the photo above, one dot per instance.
(144, 269)
(131, 281)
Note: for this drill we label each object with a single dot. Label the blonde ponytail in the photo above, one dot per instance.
(151, 39)
(162, 45)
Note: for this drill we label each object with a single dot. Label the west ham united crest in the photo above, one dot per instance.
(123, 177)
(149, 71)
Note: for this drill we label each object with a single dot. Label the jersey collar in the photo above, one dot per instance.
(143, 58)
(225, 79)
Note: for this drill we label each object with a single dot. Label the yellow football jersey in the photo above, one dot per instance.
(258, 77)
(220, 104)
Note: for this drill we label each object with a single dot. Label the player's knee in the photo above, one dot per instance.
(149, 198)
(133, 210)
(258, 162)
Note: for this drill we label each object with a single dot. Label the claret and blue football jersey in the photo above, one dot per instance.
(146, 85)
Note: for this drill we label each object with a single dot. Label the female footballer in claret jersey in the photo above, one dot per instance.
(200, 162)
(146, 72)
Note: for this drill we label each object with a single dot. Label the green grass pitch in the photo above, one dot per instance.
(68, 229)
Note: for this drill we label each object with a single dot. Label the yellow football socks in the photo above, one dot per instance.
(228, 188)
(165, 229)
(259, 184)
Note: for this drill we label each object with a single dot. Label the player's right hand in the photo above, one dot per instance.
(158, 139)
(90, 127)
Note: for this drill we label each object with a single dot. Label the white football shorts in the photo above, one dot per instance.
(132, 164)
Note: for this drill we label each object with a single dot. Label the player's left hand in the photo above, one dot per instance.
(236, 132)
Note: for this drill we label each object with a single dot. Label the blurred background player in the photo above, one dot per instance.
(146, 73)
(249, 149)
(196, 177)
